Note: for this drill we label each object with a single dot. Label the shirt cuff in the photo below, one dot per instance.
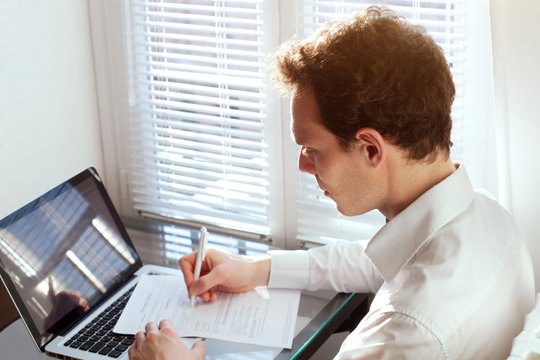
(288, 269)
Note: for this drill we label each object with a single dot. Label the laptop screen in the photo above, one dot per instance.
(63, 253)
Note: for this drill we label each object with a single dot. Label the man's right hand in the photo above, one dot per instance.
(221, 271)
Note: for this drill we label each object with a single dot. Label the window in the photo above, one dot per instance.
(199, 149)
(208, 137)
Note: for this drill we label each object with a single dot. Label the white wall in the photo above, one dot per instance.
(516, 47)
(49, 126)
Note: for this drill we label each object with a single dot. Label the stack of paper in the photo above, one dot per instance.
(262, 317)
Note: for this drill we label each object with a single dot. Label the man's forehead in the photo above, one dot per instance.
(296, 135)
(308, 130)
(304, 115)
(301, 125)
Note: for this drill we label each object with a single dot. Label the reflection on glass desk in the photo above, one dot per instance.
(320, 313)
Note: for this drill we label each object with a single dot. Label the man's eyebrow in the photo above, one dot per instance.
(295, 137)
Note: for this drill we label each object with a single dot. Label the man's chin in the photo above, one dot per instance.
(343, 211)
(349, 211)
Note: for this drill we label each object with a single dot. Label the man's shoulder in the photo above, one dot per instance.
(483, 217)
(483, 196)
(460, 269)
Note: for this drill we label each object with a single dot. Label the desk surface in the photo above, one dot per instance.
(320, 313)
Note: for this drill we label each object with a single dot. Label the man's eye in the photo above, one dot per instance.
(307, 152)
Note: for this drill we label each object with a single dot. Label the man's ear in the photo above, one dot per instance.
(372, 145)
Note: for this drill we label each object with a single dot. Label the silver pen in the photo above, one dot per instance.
(201, 254)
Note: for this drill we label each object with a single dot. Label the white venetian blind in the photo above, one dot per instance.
(198, 111)
(317, 218)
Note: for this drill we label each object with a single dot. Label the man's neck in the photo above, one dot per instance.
(407, 180)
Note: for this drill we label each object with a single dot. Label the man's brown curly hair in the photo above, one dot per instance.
(375, 70)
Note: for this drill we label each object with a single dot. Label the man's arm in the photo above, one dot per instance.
(391, 335)
(342, 266)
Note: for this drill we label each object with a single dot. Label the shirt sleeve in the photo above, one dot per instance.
(342, 266)
(386, 336)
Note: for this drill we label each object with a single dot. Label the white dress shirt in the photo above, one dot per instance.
(452, 276)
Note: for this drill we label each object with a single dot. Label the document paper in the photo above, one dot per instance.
(262, 317)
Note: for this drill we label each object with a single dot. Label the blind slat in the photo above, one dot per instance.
(191, 37)
(179, 58)
(212, 100)
(178, 192)
(199, 108)
(149, 159)
(196, 88)
(188, 48)
(190, 17)
(194, 138)
(177, 155)
(207, 69)
(194, 7)
(190, 147)
(211, 80)
(200, 127)
(202, 119)
(168, 172)
(197, 28)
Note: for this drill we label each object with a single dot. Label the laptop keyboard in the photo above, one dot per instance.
(97, 335)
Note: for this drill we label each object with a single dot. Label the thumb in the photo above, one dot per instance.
(198, 348)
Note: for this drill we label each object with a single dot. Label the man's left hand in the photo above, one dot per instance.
(163, 342)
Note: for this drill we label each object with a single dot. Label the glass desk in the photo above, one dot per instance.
(320, 314)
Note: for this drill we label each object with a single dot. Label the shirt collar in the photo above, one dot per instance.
(399, 239)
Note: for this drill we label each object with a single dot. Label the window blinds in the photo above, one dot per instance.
(317, 218)
(198, 112)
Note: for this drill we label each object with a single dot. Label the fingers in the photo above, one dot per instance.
(132, 351)
(187, 265)
(150, 327)
(208, 296)
(135, 348)
(162, 342)
(165, 323)
(219, 271)
(139, 338)
(198, 348)
(209, 281)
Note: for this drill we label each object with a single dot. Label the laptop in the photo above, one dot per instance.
(69, 267)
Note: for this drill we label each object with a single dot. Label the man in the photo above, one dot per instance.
(371, 99)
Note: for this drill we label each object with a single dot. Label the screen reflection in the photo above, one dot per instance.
(62, 253)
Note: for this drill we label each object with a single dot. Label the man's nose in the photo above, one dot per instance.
(305, 164)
